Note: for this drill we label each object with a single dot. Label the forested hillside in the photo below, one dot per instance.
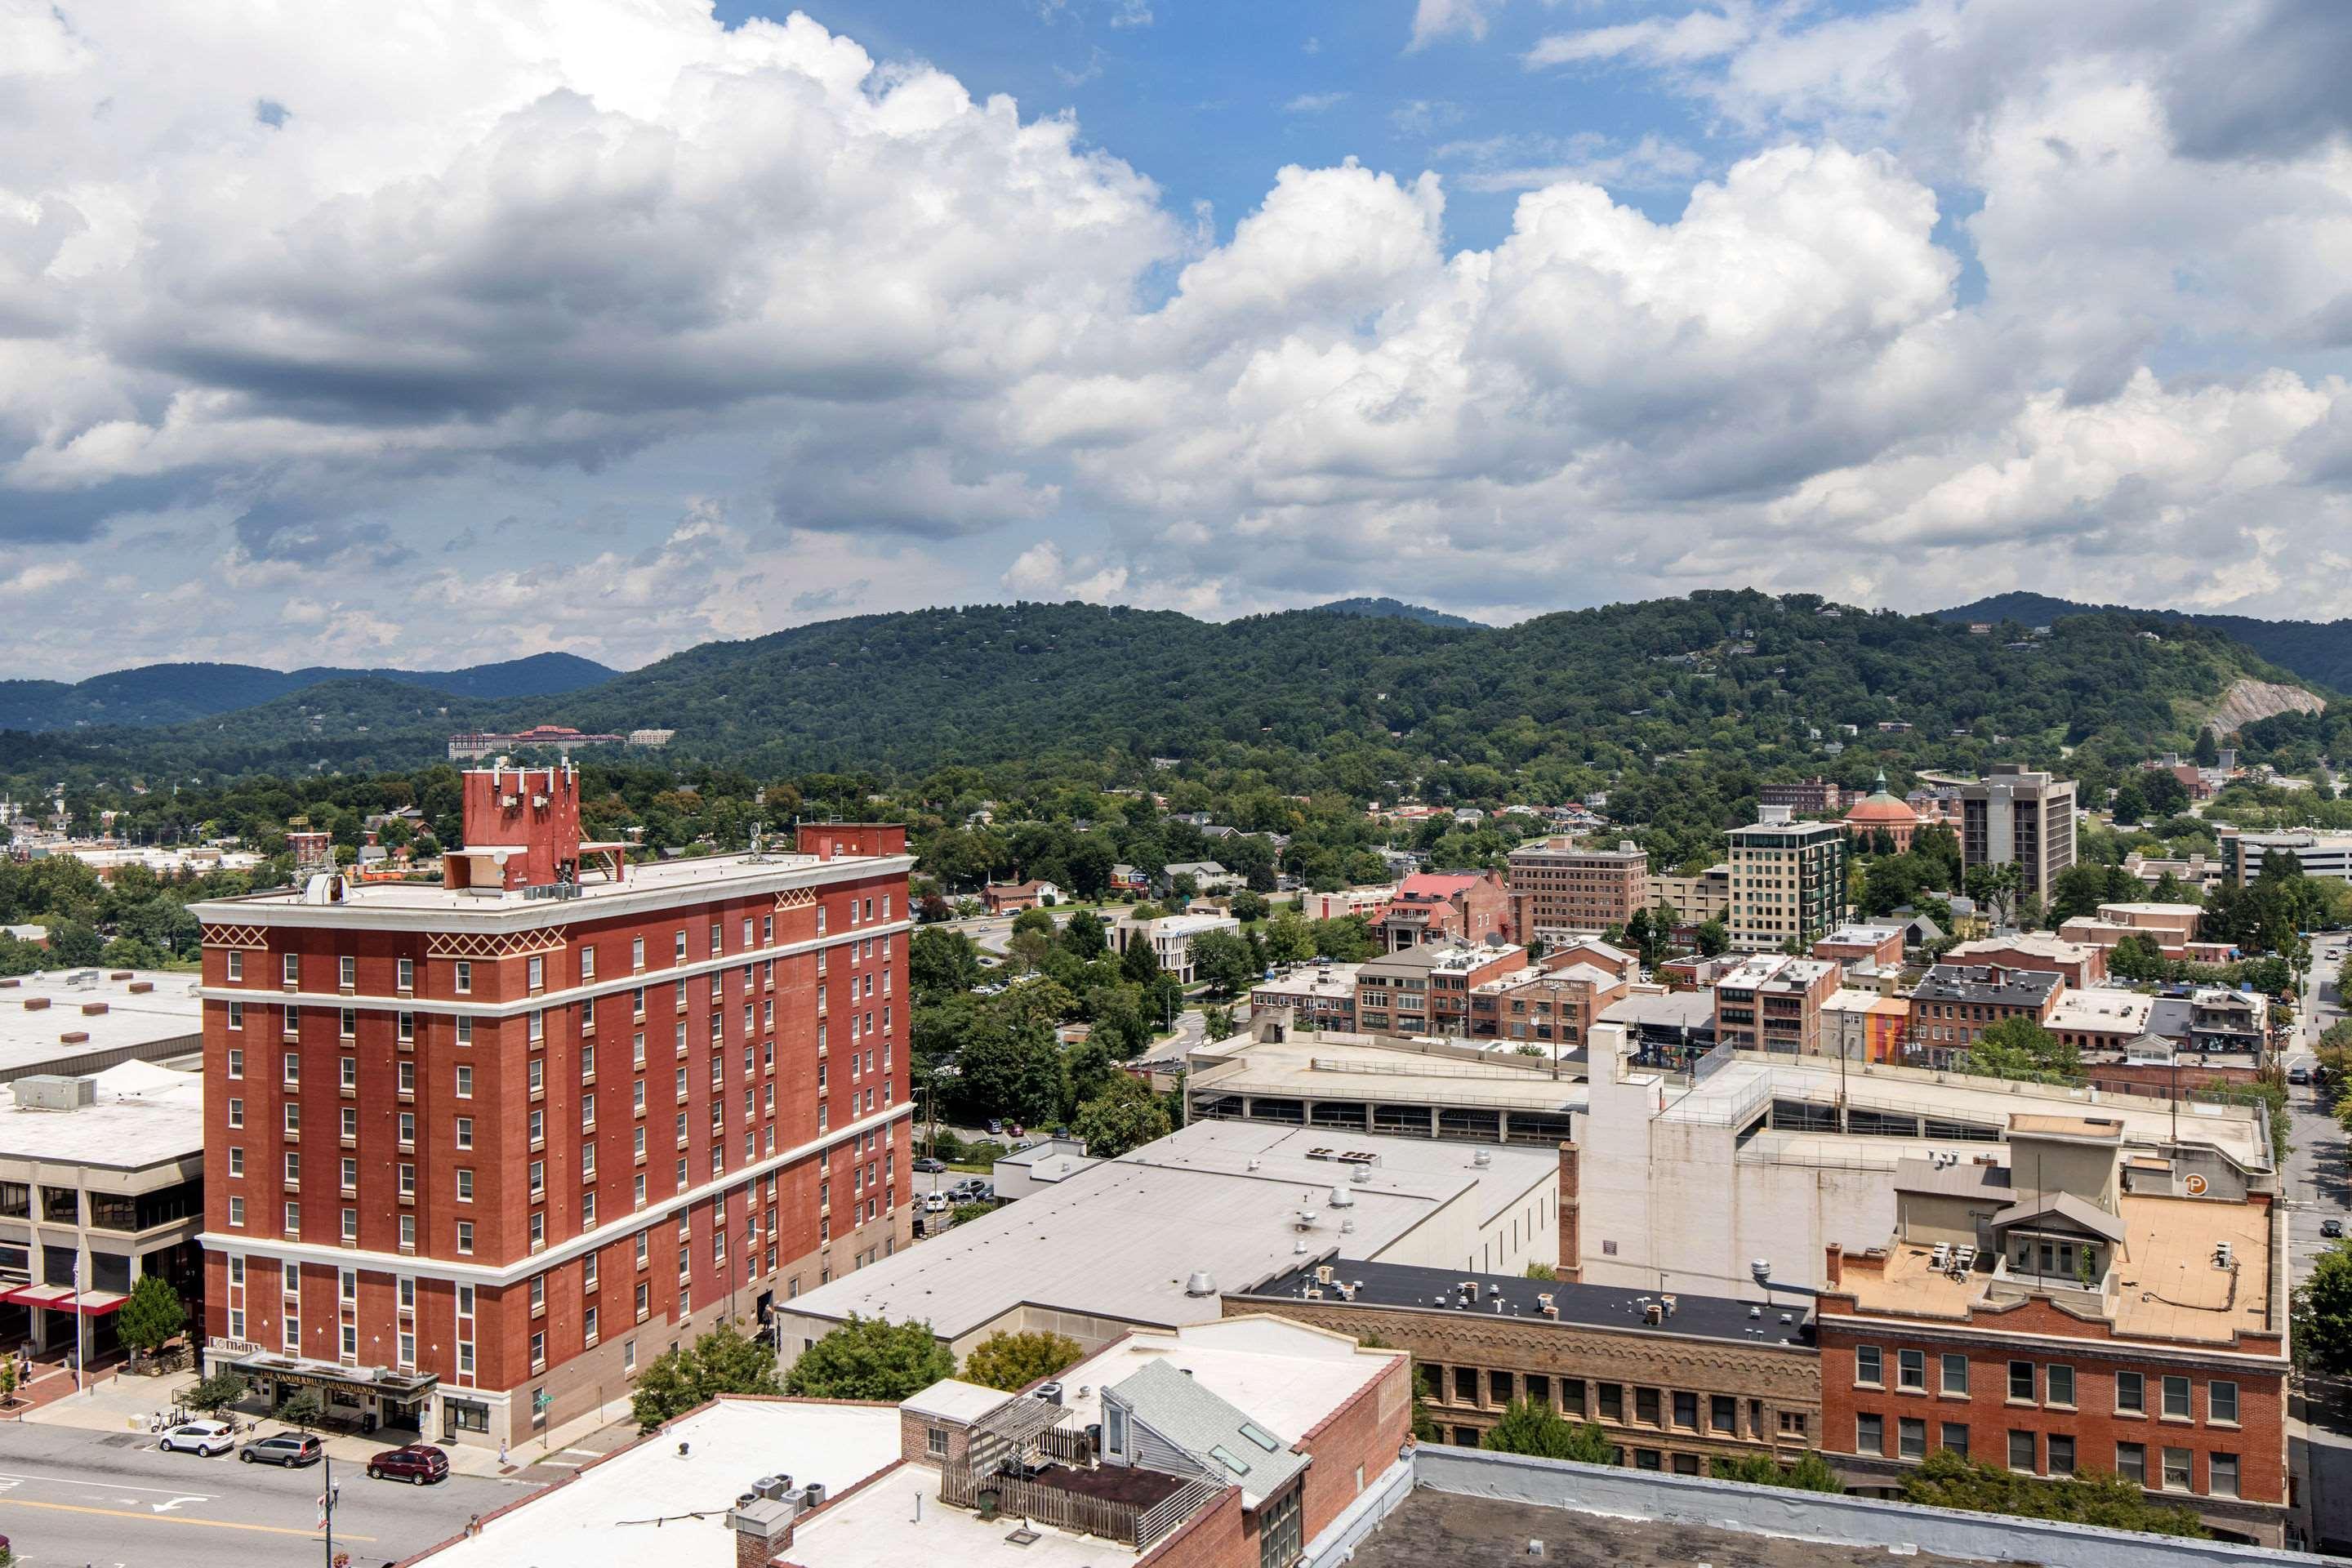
(2319, 651)
(1630, 698)
(158, 694)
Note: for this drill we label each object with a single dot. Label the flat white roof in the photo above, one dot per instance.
(606, 1516)
(166, 1009)
(144, 1115)
(706, 876)
(899, 1522)
(952, 1399)
(1118, 1240)
(1334, 1066)
(2096, 1008)
(1286, 1377)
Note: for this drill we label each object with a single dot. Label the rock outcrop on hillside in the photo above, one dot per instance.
(2247, 700)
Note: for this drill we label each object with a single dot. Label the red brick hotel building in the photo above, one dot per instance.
(477, 1151)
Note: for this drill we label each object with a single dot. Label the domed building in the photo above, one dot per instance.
(1881, 812)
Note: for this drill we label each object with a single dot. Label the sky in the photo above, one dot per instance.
(468, 329)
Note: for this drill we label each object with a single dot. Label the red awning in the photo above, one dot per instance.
(61, 1299)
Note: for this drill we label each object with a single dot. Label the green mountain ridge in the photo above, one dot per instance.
(2317, 650)
(1303, 700)
(162, 694)
(1394, 609)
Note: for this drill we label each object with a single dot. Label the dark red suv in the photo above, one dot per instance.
(420, 1463)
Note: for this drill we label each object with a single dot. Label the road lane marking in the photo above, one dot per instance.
(101, 1486)
(171, 1519)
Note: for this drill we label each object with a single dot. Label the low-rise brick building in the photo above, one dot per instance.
(1773, 1002)
(1560, 887)
(1957, 1003)
(1547, 1009)
(1424, 988)
(2081, 1308)
(1675, 1381)
(1439, 906)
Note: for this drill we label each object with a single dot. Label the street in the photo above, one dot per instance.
(69, 1497)
(2318, 1190)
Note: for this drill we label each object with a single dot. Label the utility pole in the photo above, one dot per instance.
(327, 1505)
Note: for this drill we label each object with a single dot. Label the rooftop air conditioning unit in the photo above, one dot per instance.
(772, 1487)
(1051, 1392)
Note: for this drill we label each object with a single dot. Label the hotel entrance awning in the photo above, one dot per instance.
(299, 1371)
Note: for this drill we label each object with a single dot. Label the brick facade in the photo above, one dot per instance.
(660, 1115)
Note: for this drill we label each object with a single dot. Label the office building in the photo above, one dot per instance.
(1771, 1001)
(1560, 889)
(2319, 854)
(1424, 988)
(2023, 815)
(479, 1149)
(1788, 882)
(1698, 898)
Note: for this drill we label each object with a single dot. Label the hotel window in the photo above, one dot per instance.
(2222, 1402)
(349, 1069)
(236, 1015)
(404, 1076)
(406, 979)
(637, 961)
(679, 949)
(2221, 1474)
(465, 1184)
(1911, 1438)
(465, 977)
(538, 1179)
(538, 1294)
(408, 1128)
(588, 1326)
(538, 1359)
(293, 1220)
(537, 1075)
(352, 1225)
(236, 1063)
(408, 1293)
(1869, 1433)
(407, 1180)
(464, 1238)
(2176, 1399)
(293, 1068)
(292, 969)
(347, 972)
(2058, 1385)
(587, 964)
(639, 1049)
(537, 1128)
(351, 1174)
(465, 1132)
(587, 1211)
(236, 968)
(464, 1082)
(1955, 1374)
(237, 1160)
(1956, 1437)
(2020, 1452)
(465, 1029)
(637, 1096)
(2176, 1470)
(236, 1212)
(407, 1347)
(2061, 1454)
(768, 926)
(588, 1015)
(535, 974)
(1911, 1371)
(408, 1233)
(2021, 1381)
(293, 1169)
(2131, 1393)
(537, 1027)
(407, 1025)
(292, 1117)
(640, 1196)
(587, 1112)
(588, 1064)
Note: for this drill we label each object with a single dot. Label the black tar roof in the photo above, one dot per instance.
(1991, 982)
(1585, 1306)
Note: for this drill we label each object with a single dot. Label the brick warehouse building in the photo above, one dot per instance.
(477, 1151)
(2082, 1308)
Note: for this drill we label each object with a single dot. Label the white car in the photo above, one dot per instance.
(935, 1202)
(206, 1437)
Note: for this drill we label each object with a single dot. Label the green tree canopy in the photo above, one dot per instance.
(867, 1358)
(2022, 1049)
(2322, 1312)
(1124, 1116)
(723, 1361)
(1946, 1479)
(1527, 1428)
(153, 1315)
(1223, 959)
(1811, 1473)
(1013, 1362)
(1011, 1064)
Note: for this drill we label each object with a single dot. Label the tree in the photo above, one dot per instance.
(1223, 959)
(216, 1391)
(1714, 938)
(153, 1315)
(1081, 936)
(723, 1361)
(1248, 906)
(1289, 936)
(2020, 1049)
(1218, 1023)
(1811, 1473)
(1139, 963)
(2206, 753)
(942, 963)
(73, 945)
(1011, 1066)
(2323, 1313)
(964, 1214)
(1538, 1430)
(1946, 1479)
(867, 1358)
(2130, 805)
(1038, 920)
(303, 1409)
(1013, 1362)
(2165, 791)
(1124, 1115)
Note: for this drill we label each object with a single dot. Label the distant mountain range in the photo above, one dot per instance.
(2317, 650)
(1396, 610)
(1303, 700)
(159, 694)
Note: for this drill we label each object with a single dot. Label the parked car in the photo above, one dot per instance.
(2331, 1228)
(995, 1128)
(206, 1437)
(418, 1463)
(1016, 1132)
(292, 1449)
(935, 1202)
(2298, 1074)
(929, 1166)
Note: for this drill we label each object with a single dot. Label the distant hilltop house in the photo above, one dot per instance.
(478, 743)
